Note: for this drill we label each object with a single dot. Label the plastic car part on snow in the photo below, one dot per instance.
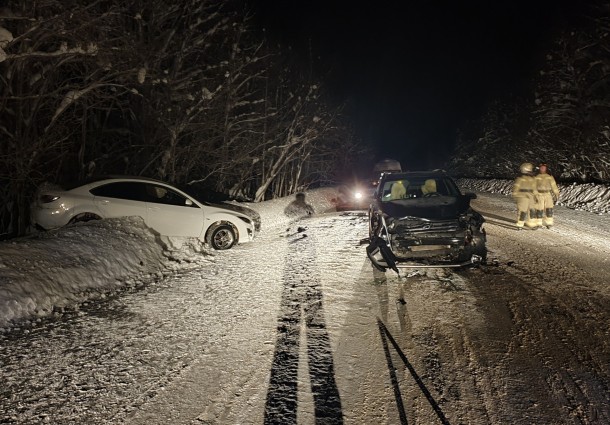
(380, 255)
(221, 236)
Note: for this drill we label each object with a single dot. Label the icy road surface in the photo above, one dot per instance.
(296, 328)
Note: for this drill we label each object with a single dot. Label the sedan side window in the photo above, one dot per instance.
(121, 190)
(164, 195)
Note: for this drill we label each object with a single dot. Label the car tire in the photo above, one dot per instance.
(84, 217)
(371, 225)
(221, 237)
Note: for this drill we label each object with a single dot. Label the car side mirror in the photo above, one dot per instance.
(470, 195)
(188, 202)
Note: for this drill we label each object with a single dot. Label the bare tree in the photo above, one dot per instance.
(572, 104)
(495, 144)
(179, 84)
(569, 113)
(185, 92)
(49, 57)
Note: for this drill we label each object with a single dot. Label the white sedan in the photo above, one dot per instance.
(163, 207)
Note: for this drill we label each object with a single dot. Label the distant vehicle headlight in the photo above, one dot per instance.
(358, 195)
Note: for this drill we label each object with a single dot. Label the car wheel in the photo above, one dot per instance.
(221, 237)
(84, 217)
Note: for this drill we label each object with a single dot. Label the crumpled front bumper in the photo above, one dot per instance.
(383, 258)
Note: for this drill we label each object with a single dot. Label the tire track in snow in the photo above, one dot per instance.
(385, 337)
(542, 360)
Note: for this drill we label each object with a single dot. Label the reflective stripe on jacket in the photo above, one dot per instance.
(524, 187)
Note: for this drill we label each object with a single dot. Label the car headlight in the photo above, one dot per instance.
(358, 195)
(45, 199)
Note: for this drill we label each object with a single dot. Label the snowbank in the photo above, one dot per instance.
(590, 197)
(272, 212)
(45, 273)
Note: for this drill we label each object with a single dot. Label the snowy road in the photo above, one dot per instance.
(297, 328)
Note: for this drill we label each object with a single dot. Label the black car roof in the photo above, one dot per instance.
(120, 177)
(95, 179)
(407, 174)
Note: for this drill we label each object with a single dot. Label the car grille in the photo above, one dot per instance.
(415, 238)
(421, 226)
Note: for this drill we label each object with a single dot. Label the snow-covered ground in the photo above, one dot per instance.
(297, 327)
(45, 273)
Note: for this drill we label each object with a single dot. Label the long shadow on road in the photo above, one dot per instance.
(302, 302)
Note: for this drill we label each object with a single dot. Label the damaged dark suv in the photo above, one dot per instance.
(421, 219)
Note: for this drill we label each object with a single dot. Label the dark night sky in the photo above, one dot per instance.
(414, 71)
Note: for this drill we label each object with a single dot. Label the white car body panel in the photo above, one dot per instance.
(114, 207)
(185, 220)
(169, 220)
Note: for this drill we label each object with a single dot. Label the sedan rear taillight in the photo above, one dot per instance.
(45, 199)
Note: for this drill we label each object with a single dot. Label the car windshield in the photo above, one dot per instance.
(417, 187)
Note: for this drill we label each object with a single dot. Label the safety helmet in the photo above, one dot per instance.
(526, 168)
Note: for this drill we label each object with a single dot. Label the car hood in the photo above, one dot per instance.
(436, 208)
(240, 210)
(215, 208)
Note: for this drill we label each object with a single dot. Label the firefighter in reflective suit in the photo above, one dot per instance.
(547, 193)
(524, 194)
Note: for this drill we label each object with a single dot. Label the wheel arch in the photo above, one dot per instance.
(221, 222)
(89, 208)
(85, 215)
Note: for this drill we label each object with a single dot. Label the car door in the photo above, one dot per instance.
(120, 199)
(171, 213)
